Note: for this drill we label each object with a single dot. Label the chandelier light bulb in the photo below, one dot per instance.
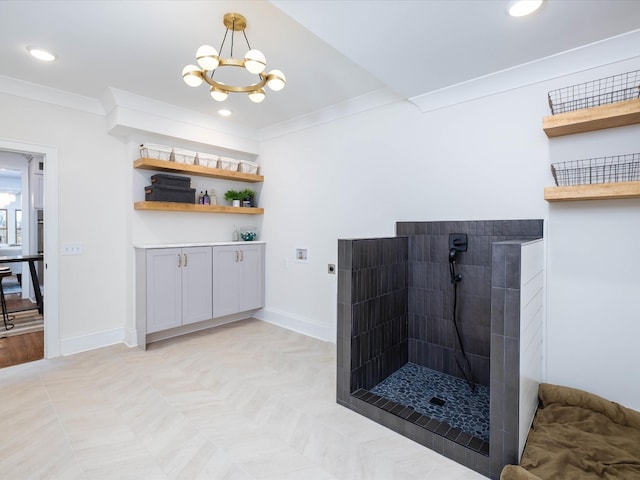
(257, 96)
(218, 95)
(276, 80)
(207, 57)
(255, 62)
(192, 76)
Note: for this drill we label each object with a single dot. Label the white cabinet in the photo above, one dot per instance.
(178, 287)
(238, 278)
(185, 288)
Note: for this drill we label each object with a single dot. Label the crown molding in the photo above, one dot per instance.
(611, 50)
(34, 91)
(129, 114)
(362, 103)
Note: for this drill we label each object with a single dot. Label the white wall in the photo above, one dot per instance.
(92, 211)
(482, 159)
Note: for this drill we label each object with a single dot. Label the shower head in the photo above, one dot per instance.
(452, 255)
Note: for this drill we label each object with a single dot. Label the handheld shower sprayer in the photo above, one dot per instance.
(457, 243)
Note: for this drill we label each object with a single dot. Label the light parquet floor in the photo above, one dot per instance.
(243, 401)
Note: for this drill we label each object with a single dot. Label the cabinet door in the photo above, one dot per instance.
(225, 280)
(164, 289)
(196, 284)
(251, 277)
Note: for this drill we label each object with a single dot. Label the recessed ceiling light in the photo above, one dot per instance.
(521, 8)
(224, 112)
(41, 54)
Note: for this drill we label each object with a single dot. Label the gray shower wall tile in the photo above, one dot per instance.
(498, 295)
(345, 248)
(512, 313)
(499, 265)
(479, 250)
(344, 286)
(512, 266)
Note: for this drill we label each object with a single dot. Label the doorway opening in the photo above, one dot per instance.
(26, 233)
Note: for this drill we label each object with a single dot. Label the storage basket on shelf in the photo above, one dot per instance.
(169, 193)
(157, 152)
(170, 188)
(181, 155)
(207, 160)
(170, 180)
(228, 164)
(617, 88)
(618, 168)
(248, 167)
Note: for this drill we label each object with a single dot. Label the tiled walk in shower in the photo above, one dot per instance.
(398, 356)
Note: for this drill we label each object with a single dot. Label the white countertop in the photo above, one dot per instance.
(194, 244)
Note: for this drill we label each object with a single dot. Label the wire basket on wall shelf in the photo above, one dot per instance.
(618, 168)
(617, 88)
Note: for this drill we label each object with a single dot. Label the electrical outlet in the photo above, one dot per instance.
(302, 255)
(72, 249)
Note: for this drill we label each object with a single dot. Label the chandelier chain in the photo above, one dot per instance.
(233, 32)
(246, 39)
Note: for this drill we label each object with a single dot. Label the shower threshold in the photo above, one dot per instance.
(457, 413)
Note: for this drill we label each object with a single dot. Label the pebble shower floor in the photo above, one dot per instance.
(414, 386)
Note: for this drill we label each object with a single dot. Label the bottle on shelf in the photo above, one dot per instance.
(207, 199)
(201, 198)
(212, 198)
(236, 236)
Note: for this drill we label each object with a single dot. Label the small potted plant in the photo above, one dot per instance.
(234, 197)
(247, 198)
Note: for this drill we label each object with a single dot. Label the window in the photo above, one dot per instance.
(18, 227)
(3, 226)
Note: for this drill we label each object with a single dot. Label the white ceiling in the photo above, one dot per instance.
(330, 51)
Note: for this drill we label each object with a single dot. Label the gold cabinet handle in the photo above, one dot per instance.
(242, 255)
(237, 256)
(179, 260)
(185, 259)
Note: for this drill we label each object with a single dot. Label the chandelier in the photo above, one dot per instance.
(210, 61)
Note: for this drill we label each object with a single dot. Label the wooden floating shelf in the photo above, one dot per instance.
(195, 207)
(167, 166)
(601, 191)
(596, 118)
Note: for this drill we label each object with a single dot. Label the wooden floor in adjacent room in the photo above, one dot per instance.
(19, 348)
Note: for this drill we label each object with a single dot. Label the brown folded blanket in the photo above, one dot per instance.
(577, 435)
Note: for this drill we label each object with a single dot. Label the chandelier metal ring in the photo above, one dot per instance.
(233, 62)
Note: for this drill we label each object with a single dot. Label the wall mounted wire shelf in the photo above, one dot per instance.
(618, 168)
(617, 88)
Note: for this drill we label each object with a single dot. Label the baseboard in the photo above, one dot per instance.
(69, 346)
(297, 324)
(131, 337)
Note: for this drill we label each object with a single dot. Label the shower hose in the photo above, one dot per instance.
(466, 372)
